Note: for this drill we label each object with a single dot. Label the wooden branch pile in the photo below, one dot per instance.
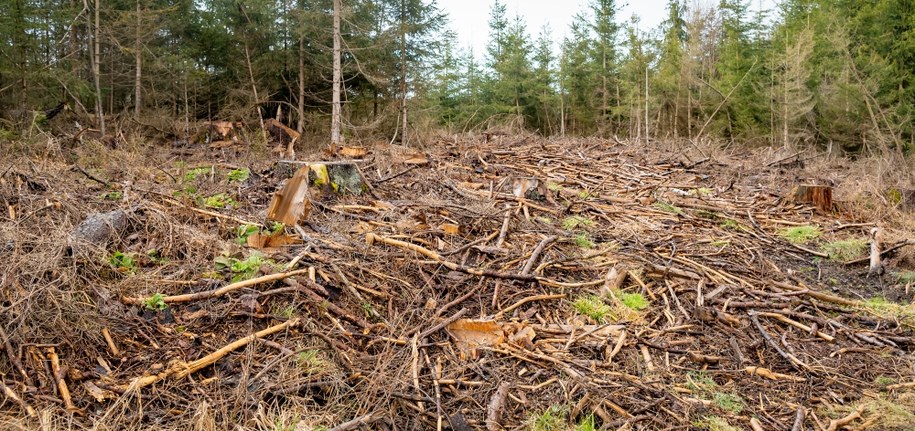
(496, 281)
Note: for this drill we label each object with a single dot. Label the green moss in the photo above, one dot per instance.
(635, 301)
(906, 277)
(668, 208)
(239, 175)
(846, 249)
(594, 307)
(800, 234)
(729, 402)
(583, 241)
(573, 222)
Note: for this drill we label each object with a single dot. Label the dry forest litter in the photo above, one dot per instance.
(476, 284)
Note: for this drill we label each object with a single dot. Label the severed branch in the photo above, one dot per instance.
(535, 256)
(371, 239)
(215, 293)
(835, 424)
(794, 361)
(181, 369)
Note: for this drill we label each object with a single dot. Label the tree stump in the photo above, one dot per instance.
(818, 196)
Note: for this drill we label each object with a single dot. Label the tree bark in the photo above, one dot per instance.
(336, 116)
(403, 73)
(94, 61)
(300, 108)
(138, 54)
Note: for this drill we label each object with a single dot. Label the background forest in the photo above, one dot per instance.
(832, 73)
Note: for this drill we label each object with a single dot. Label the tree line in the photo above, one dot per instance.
(834, 73)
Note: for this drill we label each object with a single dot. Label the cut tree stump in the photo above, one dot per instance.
(312, 181)
(284, 135)
(818, 196)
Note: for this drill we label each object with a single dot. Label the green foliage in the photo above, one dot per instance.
(240, 269)
(906, 277)
(594, 307)
(582, 240)
(192, 174)
(244, 231)
(801, 234)
(239, 175)
(123, 262)
(730, 224)
(846, 249)
(572, 222)
(635, 301)
(219, 201)
(715, 423)
(551, 419)
(729, 402)
(156, 302)
(114, 195)
(666, 207)
(587, 424)
(310, 361)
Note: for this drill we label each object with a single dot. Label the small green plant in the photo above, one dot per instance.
(551, 419)
(219, 201)
(156, 302)
(239, 175)
(668, 208)
(729, 402)
(192, 174)
(720, 243)
(244, 231)
(123, 262)
(701, 191)
(582, 240)
(730, 224)
(845, 249)
(635, 301)
(114, 195)
(594, 307)
(553, 187)
(800, 234)
(277, 227)
(906, 277)
(707, 214)
(155, 257)
(584, 194)
(714, 423)
(699, 381)
(240, 269)
(573, 222)
(587, 424)
(884, 381)
(310, 361)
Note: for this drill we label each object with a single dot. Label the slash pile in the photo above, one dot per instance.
(525, 283)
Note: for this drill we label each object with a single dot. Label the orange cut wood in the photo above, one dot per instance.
(291, 204)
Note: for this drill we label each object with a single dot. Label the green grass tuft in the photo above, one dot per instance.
(714, 423)
(583, 241)
(635, 301)
(594, 307)
(552, 419)
(800, 234)
(845, 249)
(575, 221)
(729, 402)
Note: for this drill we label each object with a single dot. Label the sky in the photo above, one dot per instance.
(469, 18)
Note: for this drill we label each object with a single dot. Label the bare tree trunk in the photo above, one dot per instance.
(336, 115)
(138, 53)
(257, 100)
(94, 60)
(300, 125)
(403, 73)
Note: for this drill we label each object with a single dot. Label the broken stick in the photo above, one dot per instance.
(215, 293)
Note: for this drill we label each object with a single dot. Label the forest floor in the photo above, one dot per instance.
(520, 283)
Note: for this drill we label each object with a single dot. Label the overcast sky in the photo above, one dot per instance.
(469, 18)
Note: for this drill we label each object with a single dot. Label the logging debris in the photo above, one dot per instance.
(483, 284)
